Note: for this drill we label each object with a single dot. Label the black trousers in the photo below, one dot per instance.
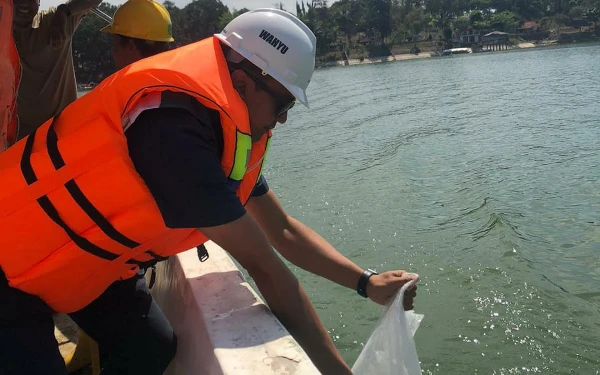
(133, 335)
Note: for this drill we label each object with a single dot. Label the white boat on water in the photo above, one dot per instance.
(457, 51)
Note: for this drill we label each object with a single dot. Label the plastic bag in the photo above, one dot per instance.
(391, 348)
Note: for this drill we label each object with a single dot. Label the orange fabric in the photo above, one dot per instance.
(74, 213)
(9, 77)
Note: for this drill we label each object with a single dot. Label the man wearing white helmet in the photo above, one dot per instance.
(187, 133)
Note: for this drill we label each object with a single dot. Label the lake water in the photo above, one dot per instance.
(481, 173)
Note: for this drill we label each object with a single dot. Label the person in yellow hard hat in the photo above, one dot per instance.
(140, 29)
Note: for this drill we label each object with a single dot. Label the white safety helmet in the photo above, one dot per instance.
(278, 43)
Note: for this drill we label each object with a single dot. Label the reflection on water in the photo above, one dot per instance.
(478, 172)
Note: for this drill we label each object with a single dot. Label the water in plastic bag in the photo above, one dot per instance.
(391, 348)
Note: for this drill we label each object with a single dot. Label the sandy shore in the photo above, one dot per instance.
(65, 332)
(410, 56)
(373, 60)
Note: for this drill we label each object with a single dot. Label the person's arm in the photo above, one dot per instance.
(245, 241)
(81, 7)
(65, 19)
(308, 250)
(176, 155)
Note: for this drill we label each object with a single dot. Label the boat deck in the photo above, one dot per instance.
(65, 331)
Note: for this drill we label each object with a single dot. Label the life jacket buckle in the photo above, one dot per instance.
(202, 253)
(152, 277)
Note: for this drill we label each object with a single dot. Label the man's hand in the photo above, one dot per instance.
(384, 286)
(57, 32)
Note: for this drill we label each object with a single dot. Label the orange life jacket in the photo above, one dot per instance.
(75, 215)
(9, 77)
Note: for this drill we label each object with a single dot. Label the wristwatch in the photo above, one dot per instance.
(64, 8)
(363, 280)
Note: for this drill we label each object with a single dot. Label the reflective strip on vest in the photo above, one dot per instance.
(243, 147)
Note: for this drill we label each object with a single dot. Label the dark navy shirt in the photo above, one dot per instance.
(177, 153)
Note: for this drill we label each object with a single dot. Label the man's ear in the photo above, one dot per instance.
(131, 46)
(240, 82)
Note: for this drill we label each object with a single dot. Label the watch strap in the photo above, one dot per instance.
(363, 280)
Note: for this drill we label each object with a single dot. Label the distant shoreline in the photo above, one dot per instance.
(373, 60)
(426, 55)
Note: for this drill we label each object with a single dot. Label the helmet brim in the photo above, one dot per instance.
(107, 29)
(296, 91)
(111, 30)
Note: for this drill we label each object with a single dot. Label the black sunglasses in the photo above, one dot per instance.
(282, 105)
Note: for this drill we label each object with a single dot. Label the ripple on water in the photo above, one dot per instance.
(479, 173)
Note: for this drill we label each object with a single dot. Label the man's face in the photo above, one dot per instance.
(25, 11)
(268, 103)
(124, 51)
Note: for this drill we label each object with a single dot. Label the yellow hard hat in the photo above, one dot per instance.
(142, 19)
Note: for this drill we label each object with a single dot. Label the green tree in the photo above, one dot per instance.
(483, 5)
(177, 20)
(442, 12)
(592, 13)
(577, 12)
(461, 24)
(378, 14)
(475, 16)
(317, 17)
(92, 49)
(529, 9)
(382, 21)
(400, 10)
(227, 17)
(346, 16)
(561, 19)
(501, 5)
(201, 19)
(399, 34)
(506, 21)
(417, 21)
(547, 23)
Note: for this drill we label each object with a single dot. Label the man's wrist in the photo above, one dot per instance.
(65, 9)
(363, 281)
